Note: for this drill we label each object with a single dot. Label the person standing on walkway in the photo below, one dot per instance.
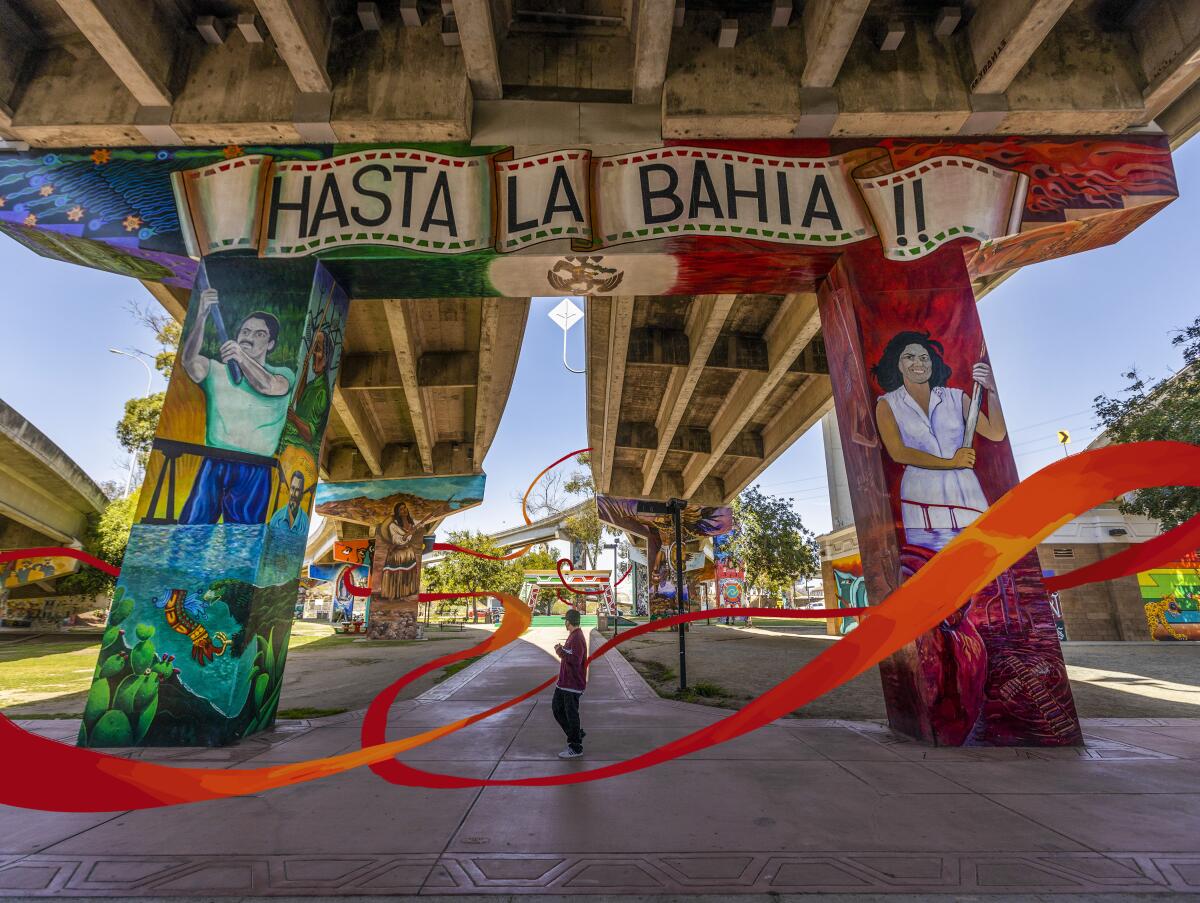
(572, 680)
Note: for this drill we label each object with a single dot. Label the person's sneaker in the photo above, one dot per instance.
(569, 753)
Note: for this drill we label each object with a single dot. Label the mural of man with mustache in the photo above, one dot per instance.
(245, 411)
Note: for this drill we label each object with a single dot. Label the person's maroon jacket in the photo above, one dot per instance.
(572, 670)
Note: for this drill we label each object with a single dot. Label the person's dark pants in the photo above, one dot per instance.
(566, 713)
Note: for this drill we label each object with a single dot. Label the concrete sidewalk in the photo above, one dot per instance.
(800, 806)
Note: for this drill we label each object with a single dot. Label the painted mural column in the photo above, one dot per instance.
(198, 632)
(402, 513)
(659, 533)
(926, 445)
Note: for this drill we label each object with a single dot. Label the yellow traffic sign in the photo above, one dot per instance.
(1063, 437)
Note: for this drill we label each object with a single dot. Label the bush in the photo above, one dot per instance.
(558, 608)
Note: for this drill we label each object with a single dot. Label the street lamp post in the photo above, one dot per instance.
(674, 507)
(149, 382)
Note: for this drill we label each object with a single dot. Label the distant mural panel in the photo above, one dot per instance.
(1171, 597)
(660, 543)
(198, 633)
(851, 589)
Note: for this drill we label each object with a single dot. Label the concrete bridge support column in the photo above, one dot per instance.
(926, 449)
(199, 628)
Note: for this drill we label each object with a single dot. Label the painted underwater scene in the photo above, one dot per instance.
(185, 661)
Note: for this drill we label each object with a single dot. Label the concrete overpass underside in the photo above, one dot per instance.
(693, 397)
(131, 72)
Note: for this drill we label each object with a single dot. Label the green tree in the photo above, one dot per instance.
(458, 572)
(771, 542)
(107, 535)
(135, 430)
(1166, 409)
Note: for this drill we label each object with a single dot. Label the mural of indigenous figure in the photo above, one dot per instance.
(660, 543)
(926, 426)
(403, 513)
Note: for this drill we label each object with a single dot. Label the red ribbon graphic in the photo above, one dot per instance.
(44, 774)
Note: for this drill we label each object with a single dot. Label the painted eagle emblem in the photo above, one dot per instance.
(584, 276)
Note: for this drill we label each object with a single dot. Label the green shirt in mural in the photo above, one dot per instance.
(241, 418)
(313, 410)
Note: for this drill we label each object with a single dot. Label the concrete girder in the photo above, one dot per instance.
(477, 34)
(620, 318)
(301, 29)
(829, 30)
(652, 46)
(17, 45)
(794, 419)
(136, 41)
(501, 332)
(705, 320)
(365, 437)
(399, 321)
(793, 327)
(1166, 36)
(1003, 36)
(398, 461)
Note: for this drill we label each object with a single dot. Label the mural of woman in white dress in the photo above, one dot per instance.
(923, 424)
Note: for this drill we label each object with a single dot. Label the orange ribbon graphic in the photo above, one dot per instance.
(44, 774)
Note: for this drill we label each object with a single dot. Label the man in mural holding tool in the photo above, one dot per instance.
(246, 405)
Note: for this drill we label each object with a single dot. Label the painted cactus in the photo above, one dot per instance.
(123, 698)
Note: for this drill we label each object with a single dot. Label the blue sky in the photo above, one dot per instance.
(1059, 333)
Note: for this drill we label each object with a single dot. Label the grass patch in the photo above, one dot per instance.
(655, 672)
(301, 713)
(702, 692)
(451, 670)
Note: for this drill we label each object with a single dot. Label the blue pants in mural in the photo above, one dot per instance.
(231, 490)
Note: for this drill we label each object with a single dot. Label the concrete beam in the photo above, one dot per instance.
(398, 461)
(448, 370)
(644, 436)
(174, 300)
(829, 30)
(812, 402)
(657, 346)
(1166, 35)
(301, 29)
(793, 327)
(477, 36)
(369, 371)
(705, 320)
(501, 334)
(399, 317)
(620, 319)
(652, 46)
(354, 418)
(1003, 36)
(17, 45)
(135, 40)
(626, 483)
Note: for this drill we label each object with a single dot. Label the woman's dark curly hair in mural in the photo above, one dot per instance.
(887, 371)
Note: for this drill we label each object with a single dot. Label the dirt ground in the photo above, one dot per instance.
(1109, 680)
(324, 671)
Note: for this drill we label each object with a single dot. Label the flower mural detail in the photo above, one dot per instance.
(30, 220)
(132, 223)
(75, 214)
(3, 200)
(101, 155)
(46, 190)
(232, 151)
